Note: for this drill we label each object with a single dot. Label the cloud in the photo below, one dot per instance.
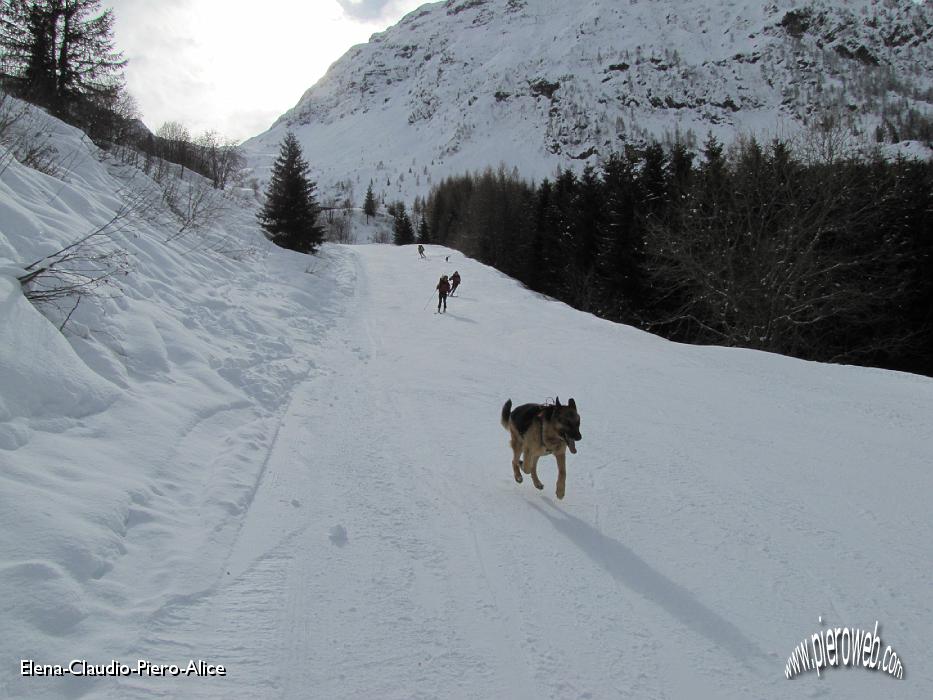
(215, 65)
(366, 10)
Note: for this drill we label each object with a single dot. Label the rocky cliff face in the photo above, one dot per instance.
(541, 84)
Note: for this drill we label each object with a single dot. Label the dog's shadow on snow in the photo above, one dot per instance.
(626, 567)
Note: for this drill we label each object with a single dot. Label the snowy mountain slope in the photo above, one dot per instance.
(303, 477)
(466, 84)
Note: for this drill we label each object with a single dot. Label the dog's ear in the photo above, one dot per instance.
(572, 404)
(557, 402)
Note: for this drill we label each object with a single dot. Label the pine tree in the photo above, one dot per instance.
(620, 260)
(545, 253)
(424, 233)
(652, 179)
(369, 206)
(403, 231)
(588, 213)
(60, 54)
(289, 215)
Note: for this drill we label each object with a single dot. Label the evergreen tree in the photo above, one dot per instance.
(60, 54)
(369, 205)
(402, 230)
(424, 233)
(548, 244)
(620, 260)
(586, 219)
(714, 172)
(289, 215)
(679, 174)
(652, 179)
(753, 247)
(559, 229)
(539, 268)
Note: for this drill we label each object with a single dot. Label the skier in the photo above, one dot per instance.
(454, 282)
(421, 250)
(443, 288)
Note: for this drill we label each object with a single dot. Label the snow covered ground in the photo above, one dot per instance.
(292, 467)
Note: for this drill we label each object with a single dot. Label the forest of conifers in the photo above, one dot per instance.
(821, 258)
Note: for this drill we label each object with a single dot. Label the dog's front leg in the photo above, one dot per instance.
(561, 472)
(533, 468)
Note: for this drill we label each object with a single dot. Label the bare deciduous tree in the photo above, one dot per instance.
(777, 254)
(176, 141)
(222, 158)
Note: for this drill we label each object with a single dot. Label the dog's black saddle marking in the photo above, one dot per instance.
(523, 416)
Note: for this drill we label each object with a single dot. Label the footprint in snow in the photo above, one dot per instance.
(338, 535)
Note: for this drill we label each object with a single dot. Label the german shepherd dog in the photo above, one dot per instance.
(537, 430)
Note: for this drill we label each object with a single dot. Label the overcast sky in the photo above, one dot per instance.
(235, 66)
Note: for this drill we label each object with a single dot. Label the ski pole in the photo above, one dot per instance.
(428, 301)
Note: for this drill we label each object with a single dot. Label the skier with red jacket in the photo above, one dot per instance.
(454, 282)
(443, 289)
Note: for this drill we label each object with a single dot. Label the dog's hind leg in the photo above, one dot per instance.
(516, 458)
(533, 469)
(561, 473)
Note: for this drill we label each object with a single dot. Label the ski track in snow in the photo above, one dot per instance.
(313, 633)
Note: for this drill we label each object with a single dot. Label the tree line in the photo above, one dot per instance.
(755, 246)
(216, 158)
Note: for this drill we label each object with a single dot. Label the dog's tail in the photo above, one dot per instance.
(506, 412)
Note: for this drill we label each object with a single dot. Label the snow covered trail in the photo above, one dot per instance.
(720, 501)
